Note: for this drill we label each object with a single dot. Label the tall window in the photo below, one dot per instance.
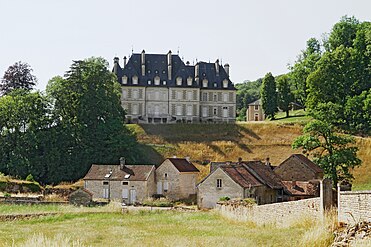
(135, 109)
(190, 95)
(215, 111)
(189, 81)
(179, 81)
(179, 110)
(204, 111)
(179, 95)
(124, 94)
(225, 97)
(135, 94)
(204, 96)
(189, 110)
(157, 95)
(225, 111)
(256, 107)
(218, 183)
(215, 97)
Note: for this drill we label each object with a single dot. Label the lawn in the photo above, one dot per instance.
(141, 229)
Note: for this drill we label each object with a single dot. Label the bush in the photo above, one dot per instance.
(30, 178)
(250, 201)
(162, 202)
(7, 195)
(3, 185)
(33, 187)
(224, 198)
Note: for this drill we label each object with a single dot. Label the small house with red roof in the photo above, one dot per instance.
(176, 179)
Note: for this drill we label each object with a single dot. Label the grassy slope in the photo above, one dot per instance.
(221, 142)
(149, 229)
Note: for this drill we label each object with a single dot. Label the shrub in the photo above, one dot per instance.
(33, 187)
(3, 185)
(224, 198)
(30, 178)
(162, 202)
(250, 201)
(7, 195)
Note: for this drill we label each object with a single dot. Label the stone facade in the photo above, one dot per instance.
(255, 111)
(80, 197)
(282, 214)
(174, 184)
(161, 88)
(354, 206)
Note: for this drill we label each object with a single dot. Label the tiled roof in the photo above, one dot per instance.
(157, 65)
(264, 173)
(301, 188)
(241, 175)
(137, 172)
(304, 160)
(182, 165)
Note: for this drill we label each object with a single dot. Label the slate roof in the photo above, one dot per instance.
(157, 65)
(256, 102)
(264, 173)
(182, 165)
(137, 172)
(307, 162)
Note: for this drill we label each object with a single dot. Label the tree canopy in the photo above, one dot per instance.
(269, 95)
(17, 76)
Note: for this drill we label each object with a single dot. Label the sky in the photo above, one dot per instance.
(253, 36)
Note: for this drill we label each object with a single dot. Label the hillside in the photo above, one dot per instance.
(222, 142)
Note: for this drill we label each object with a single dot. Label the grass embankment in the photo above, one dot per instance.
(227, 142)
(297, 116)
(152, 229)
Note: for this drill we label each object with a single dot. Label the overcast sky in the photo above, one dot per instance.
(253, 36)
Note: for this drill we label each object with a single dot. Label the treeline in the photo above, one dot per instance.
(331, 78)
(57, 135)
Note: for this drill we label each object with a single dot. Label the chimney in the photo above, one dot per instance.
(115, 64)
(239, 159)
(217, 66)
(122, 163)
(169, 65)
(143, 62)
(187, 63)
(125, 61)
(188, 159)
(226, 68)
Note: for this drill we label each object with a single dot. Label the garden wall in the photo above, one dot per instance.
(354, 206)
(283, 213)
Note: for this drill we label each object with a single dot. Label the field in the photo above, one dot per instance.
(103, 228)
(227, 142)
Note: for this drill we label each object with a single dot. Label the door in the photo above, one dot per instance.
(159, 188)
(133, 196)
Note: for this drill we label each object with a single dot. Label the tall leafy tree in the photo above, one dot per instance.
(336, 154)
(269, 95)
(343, 33)
(284, 95)
(17, 76)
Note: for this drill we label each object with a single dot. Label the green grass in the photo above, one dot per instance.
(297, 116)
(149, 229)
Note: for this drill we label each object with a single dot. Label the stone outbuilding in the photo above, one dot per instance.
(130, 184)
(255, 111)
(81, 197)
(245, 179)
(298, 167)
(176, 179)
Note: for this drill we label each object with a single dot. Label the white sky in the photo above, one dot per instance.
(253, 36)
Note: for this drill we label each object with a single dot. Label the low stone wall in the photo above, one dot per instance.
(282, 214)
(354, 206)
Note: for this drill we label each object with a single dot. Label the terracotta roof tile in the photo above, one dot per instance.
(264, 173)
(241, 175)
(182, 165)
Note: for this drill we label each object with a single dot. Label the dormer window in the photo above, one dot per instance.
(179, 81)
(149, 71)
(215, 85)
(163, 82)
(225, 83)
(124, 79)
(164, 72)
(204, 82)
(149, 82)
(157, 80)
(189, 81)
(135, 80)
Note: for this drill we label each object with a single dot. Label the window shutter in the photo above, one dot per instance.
(173, 94)
(140, 93)
(125, 193)
(195, 110)
(231, 96)
(219, 111)
(231, 110)
(219, 96)
(210, 96)
(129, 108)
(129, 93)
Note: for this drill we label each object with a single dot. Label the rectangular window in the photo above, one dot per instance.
(189, 95)
(105, 193)
(105, 182)
(166, 186)
(189, 110)
(124, 94)
(125, 193)
(218, 183)
(256, 107)
(179, 95)
(225, 97)
(204, 96)
(215, 111)
(225, 111)
(135, 109)
(179, 110)
(204, 111)
(125, 183)
(157, 95)
(215, 97)
(135, 94)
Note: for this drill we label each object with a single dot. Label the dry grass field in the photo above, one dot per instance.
(151, 228)
(227, 142)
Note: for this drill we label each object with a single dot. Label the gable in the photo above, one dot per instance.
(210, 180)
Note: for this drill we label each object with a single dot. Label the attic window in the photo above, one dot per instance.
(164, 82)
(189, 81)
(149, 82)
(179, 81)
(204, 82)
(157, 80)
(225, 83)
(124, 79)
(215, 85)
(127, 176)
(219, 183)
(135, 79)
(107, 175)
(149, 71)
(156, 71)
(164, 72)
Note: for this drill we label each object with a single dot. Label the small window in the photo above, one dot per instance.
(179, 81)
(125, 183)
(164, 83)
(149, 82)
(164, 72)
(256, 107)
(189, 81)
(215, 85)
(124, 79)
(135, 79)
(105, 182)
(218, 183)
(215, 111)
(149, 71)
(204, 83)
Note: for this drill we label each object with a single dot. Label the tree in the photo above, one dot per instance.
(248, 92)
(334, 153)
(17, 76)
(269, 95)
(343, 32)
(284, 94)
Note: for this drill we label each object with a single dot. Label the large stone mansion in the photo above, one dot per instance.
(161, 88)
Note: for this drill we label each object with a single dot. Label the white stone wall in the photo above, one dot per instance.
(217, 105)
(208, 194)
(281, 214)
(354, 206)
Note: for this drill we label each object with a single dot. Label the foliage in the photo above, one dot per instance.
(269, 95)
(334, 153)
(250, 201)
(247, 92)
(17, 76)
(284, 95)
(224, 198)
(7, 195)
(161, 202)
(30, 178)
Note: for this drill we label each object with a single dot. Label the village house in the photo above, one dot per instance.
(255, 111)
(176, 179)
(243, 179)
(161, 88)
(128, 183)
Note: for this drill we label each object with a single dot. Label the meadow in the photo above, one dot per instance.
(109, 227)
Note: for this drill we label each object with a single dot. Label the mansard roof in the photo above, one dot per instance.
(157, 65)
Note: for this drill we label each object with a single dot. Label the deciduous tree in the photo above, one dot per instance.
(17, 76)
(269, 95)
